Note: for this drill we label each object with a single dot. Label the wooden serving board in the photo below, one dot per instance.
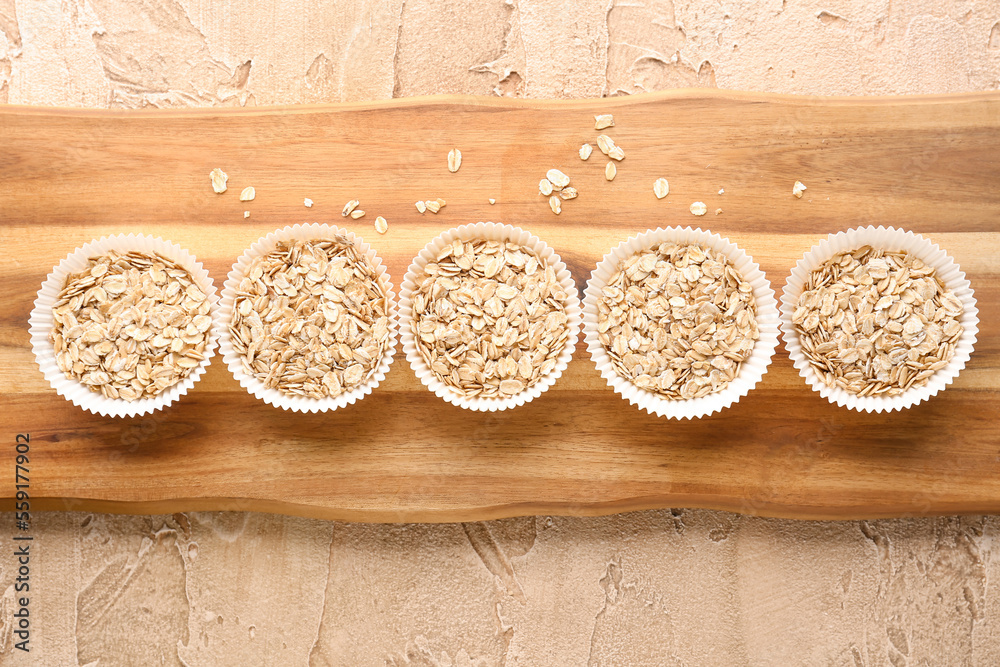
(930, 164)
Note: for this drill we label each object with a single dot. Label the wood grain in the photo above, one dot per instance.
(930, 164)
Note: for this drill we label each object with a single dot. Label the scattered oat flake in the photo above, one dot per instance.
(616, 153)
(605, 120)
(381, 226)
(248, 193)
(357, 213)
(661, 188)
(798, 189)
(585, 151)
(610, 171)
(349, 207)
(545, 187)
(605, 143)
(558, 179)
(308, 202)
(219, 179)
(555, 204)
(718, 211)
(568, 193)
(699, 208)
(432, 206)
(421, 207)
(454, 160)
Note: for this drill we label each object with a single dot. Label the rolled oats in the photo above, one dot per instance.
(677, 320)
(555, 204)
(585, 151)
(661, 188)
(558, 179)
(311, 318)
(604, 121)
(130, 325)
(349, 207)
(454, 160)
(875, 322)
(219, 179)
(610, 171)
(545, 187)
(489, 317)
(699, 208)
(605, 143)
(381, 225)
(248, 193)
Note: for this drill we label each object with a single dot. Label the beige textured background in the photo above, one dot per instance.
(673, 587)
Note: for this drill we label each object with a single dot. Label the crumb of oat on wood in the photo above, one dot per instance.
(661, 188)
(558, 179)
(798, 189)
(308, 202)
(219, 179)
(454, 160)
(349, 207)
(604, 121)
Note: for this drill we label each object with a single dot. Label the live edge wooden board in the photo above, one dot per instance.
(929, 164)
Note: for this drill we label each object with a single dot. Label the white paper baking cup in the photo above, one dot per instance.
(41, 322)
(234, 360)
(491, 231)
(890, 239)
(751, 371)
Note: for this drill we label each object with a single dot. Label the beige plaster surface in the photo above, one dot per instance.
(670, 587)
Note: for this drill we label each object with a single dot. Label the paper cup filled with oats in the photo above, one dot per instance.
(123, 326)
(878, 319)
(490, 316)
(307, 319)
(680, 322)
